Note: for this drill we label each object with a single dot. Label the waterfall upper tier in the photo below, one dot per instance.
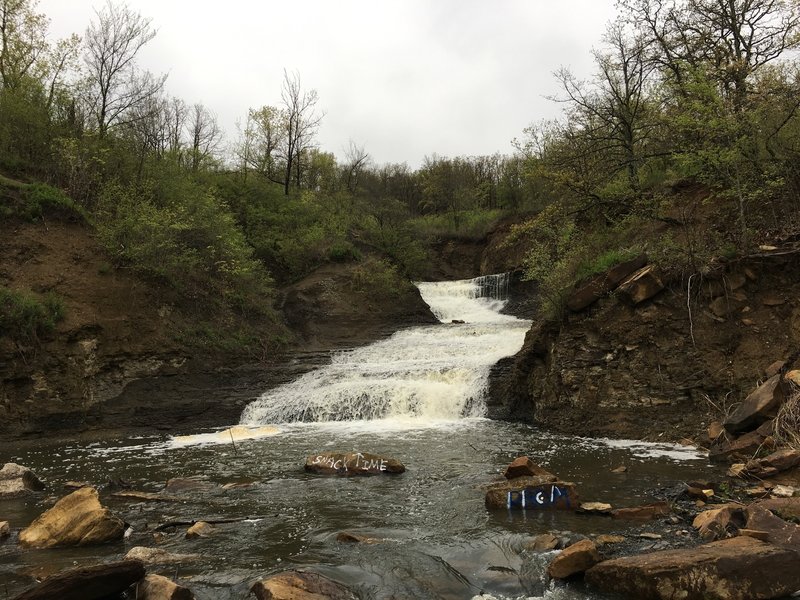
(429, 373)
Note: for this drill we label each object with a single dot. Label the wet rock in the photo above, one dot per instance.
(772, 298)
(649, 535)
(642, 285)
(88, 583)
(16, 480)
(75, 485)
(76, 520)
(764, 525)
(620, 469)
(740, 568)
(157, 556)
(146, 497)
(587, 293)
(525, 467)
(647, 512)
(352, 463)
(534, 493)
(574, 559)
(595, 508)
(5, 529)
(200, 529)
(543, 543)
(188, 485)
(300, 585)
(345, 537)
(771, 465)
(719, 523)
(157, 587)
(761, 405)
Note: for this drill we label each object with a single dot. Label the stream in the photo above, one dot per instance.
(417, 397)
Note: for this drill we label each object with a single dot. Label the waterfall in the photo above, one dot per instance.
(428, 373)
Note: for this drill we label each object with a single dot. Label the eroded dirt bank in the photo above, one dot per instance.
(130, 353)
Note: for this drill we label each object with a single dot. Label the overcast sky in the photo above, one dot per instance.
(405, 78)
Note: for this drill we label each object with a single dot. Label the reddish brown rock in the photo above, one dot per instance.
(157, 587)
(574, 559)
(543, 542)
(525, 467)
(761, 405)
(587, 293)
(771, 465)
(787, 508)
(741, 448)
(740, 568)
(76, 520)
(774, 368)
(719, 523)
(352, 463)
(642, 285)
(532, 493)
(771, 528)
(647, 512)
(300, 585)
(199, 530)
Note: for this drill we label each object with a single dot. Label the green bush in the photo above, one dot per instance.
(190, 241)
(603, 262)
(379, 277)
(25, 317)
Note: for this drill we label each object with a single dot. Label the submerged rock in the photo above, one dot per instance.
(88, 583)
(76, 520)
(157, 556)
(740, 568)
(200, 529)
(300, 585)
(5, 529)
(353, 463)
(647, 512)
(16, 480)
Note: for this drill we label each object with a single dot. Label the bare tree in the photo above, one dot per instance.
(116, 85)
(205, 135)
(301, 124)
(356, 161)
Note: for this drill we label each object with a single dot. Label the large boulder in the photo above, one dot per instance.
(16, 480)
(535, 493)
(300, 585)
(352, 463)
(574, 559)
(88, 583)
(75, 520)
(158, 587)
(740, 568)
(760, 406)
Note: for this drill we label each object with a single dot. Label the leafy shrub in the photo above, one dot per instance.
(41, 200)
(379, 277)
(25, 317)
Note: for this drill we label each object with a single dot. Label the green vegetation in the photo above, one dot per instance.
(685, 145)
(26, 318)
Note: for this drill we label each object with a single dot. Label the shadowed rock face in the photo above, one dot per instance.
(75, 520)
(88, 583)
(741, 568)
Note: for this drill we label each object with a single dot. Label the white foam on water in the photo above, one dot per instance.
(652, 449)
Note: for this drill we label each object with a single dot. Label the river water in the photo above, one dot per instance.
(417, 397)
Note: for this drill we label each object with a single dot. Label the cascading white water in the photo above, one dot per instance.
(429, 373)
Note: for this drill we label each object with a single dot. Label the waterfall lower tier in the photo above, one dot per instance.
(431, 373)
